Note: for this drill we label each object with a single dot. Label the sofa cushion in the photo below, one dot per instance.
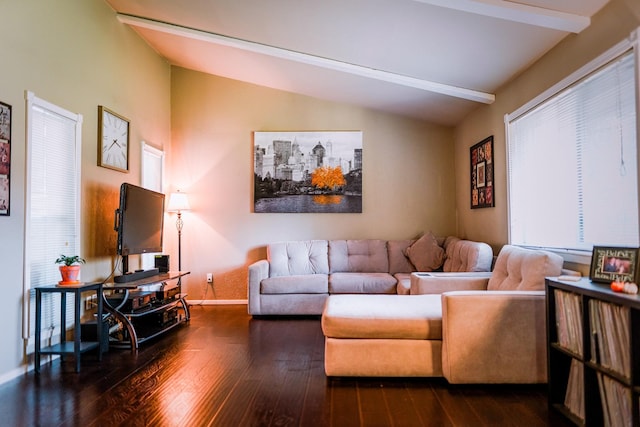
(358, 256)
(398, 261)
(439, 282)
(523, 269)
(404, 283)
(425, 253)
(305, 284)
(298, 258)
(292, 304)
(465, 255)
(383, 316)
(362, 283)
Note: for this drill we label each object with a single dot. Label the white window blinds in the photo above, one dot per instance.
(572, 163)
(53, 195)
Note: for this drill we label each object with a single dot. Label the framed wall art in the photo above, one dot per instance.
(610, 264)
(481, 154)
(307, 172)
(5, 158)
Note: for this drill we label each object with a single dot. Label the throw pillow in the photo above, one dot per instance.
(425, 254)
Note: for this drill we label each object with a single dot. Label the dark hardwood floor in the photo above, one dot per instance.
(226, 369)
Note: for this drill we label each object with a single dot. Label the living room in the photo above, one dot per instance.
(77, 55)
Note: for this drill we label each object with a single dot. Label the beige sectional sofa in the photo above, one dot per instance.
(298, 276)
(468, 329)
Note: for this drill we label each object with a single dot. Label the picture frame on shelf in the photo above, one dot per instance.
(481, 173)
(609, 263)
(113, 140)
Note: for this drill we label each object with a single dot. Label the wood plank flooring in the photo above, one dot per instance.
(227, 369)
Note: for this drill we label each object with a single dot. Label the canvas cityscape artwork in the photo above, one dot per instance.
(308, 172)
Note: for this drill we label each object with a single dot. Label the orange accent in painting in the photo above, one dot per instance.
(327, 199)
(328, 178)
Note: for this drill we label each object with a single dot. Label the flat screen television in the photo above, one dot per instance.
(139, 221)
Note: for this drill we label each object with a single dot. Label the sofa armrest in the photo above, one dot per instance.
(567, 272)
(494, 337)
(257, 271)
(437, 283)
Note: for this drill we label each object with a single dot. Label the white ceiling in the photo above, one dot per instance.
(434, 60)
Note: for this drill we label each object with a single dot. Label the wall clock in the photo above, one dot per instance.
(113, 140)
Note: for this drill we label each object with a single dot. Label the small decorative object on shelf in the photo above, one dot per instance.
(626, 287)
(70, 269)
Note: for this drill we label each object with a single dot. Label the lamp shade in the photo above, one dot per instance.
(178, 202)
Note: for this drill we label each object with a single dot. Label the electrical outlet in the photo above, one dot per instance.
(209, 277)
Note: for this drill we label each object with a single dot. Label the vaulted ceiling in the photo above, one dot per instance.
(434, 60)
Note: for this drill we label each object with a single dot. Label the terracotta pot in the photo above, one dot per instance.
(69, 274)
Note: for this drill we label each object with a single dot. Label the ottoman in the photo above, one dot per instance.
(383, 335)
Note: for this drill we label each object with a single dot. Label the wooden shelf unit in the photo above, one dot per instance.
(595, 302)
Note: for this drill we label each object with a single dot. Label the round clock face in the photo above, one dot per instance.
(114, 141)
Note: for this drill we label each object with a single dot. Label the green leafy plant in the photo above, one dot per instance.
(70, 260)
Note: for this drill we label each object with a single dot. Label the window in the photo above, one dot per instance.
(52, 225)
(152, 178)
(572, 159)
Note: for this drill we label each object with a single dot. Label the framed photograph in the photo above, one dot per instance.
(113, 140)
(481, 156)
(5, 158)
(480, 174)
(307, 172)
(610, 264)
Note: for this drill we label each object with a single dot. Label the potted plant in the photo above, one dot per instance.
(70, 269)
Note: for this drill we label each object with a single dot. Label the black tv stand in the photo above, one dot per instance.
(136, 275)
(144, 309)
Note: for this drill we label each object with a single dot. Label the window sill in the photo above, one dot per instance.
(569, 255)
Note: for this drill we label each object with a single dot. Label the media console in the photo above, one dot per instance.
(145, 308)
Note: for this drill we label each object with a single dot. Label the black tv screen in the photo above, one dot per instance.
(139, 220)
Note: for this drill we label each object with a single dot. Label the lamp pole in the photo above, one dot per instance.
(178, 202)
(179, 224)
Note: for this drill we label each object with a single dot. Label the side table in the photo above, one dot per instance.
(77, 346)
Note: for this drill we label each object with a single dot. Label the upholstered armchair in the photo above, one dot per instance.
(494, 331)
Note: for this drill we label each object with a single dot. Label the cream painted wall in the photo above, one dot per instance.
(408, 176)
(73, 53)
(611, 25)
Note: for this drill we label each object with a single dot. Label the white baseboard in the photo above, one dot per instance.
(14, 373)
(218, 302)
(26, 368)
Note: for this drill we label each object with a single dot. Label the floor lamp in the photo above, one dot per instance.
(179, 202)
